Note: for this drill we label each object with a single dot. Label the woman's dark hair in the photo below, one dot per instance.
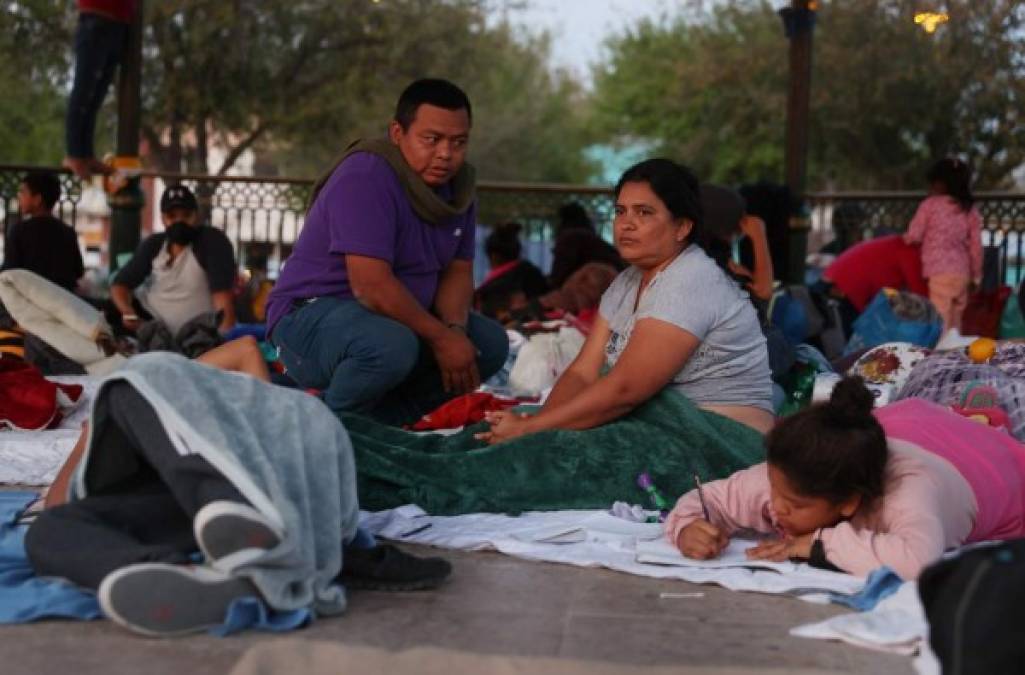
(723, 210)
(833, 450)
(676, 186)
(573, 216)
(956, 177)
(432, 91)
(504, 242)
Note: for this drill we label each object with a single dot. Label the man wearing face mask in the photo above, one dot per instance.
(178, 274)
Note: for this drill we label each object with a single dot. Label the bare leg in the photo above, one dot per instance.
(242, 356)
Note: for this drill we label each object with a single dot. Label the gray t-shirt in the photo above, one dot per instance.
(731, 365)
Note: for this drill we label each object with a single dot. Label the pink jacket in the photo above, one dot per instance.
(929, 505)
(951, 239)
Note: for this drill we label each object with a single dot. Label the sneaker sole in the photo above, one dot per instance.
(162, 600)
(240, 539)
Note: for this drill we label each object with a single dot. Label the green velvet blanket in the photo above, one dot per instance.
(668, 437)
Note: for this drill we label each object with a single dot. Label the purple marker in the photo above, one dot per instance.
(661, 503)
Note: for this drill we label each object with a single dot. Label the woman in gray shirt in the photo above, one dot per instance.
(674, 318)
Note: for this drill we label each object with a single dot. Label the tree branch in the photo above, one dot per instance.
(245, 144)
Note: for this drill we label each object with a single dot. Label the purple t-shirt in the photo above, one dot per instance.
(363, 210)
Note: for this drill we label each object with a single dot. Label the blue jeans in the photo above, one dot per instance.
(367, 363)
(99, 43)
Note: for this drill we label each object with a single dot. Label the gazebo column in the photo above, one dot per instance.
(799, 26)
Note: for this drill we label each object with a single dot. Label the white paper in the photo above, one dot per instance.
(661, 552)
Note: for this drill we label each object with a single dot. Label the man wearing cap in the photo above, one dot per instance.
(180, 273)
(373, 305)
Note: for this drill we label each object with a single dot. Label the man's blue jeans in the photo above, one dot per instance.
(367, 363)
(99, 43)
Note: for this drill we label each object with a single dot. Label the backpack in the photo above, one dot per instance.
(974, 606)
(806, 315)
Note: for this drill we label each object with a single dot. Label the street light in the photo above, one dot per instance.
(930, 21)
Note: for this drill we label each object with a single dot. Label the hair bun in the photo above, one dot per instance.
(851, 401)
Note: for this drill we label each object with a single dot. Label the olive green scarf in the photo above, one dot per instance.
(425, 201)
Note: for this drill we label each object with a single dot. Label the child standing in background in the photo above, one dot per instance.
(948, 227)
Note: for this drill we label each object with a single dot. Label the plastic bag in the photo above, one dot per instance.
(542, 360)
(896, 316)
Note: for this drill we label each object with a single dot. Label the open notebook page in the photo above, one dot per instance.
(661, 552)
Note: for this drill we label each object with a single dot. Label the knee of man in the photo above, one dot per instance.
(493, 342)
(397, 352)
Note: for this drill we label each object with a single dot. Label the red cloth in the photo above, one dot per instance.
(984, 311)
(866, 268)
(118, 10)
(467, 409)
(499, 271)
(30, 402)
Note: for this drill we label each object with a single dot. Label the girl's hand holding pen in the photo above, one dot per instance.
(702, 540)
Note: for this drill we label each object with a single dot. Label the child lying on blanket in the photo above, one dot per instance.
(150, 506)
(850, 490)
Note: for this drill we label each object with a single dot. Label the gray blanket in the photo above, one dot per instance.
(281, 448)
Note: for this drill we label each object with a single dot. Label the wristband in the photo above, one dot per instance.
(456, 326)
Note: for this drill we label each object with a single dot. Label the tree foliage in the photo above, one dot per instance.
(887, 98)
(296, 81)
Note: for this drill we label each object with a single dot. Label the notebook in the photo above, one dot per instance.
(661, 552)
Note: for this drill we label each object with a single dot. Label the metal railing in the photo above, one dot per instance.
(263, 216)
(851, 216)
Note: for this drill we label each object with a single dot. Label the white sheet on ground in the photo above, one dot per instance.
(33, 457)
(897, 624)
(588, 539)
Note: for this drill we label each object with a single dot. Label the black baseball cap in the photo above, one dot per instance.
(178, 197)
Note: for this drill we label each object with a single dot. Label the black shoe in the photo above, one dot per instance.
(386, 568)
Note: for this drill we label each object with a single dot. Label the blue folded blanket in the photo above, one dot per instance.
(24, 597)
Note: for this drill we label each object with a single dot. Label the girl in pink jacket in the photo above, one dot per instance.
(851, 490)
(949, 229)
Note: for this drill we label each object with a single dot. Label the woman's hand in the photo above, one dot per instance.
(702, 540)
(505, 425)
(780, 550)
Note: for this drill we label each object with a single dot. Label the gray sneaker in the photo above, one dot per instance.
(232, 534)
(164, 600)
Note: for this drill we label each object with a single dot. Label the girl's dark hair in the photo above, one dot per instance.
(833, 450)
(676, 186)
(956, 177)
(504, 242)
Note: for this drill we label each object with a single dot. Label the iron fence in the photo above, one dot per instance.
(263, 216)
(851, 216)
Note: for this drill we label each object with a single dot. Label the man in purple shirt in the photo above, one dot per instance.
(372, 307)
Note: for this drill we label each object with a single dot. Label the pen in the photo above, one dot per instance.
(701, 497)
